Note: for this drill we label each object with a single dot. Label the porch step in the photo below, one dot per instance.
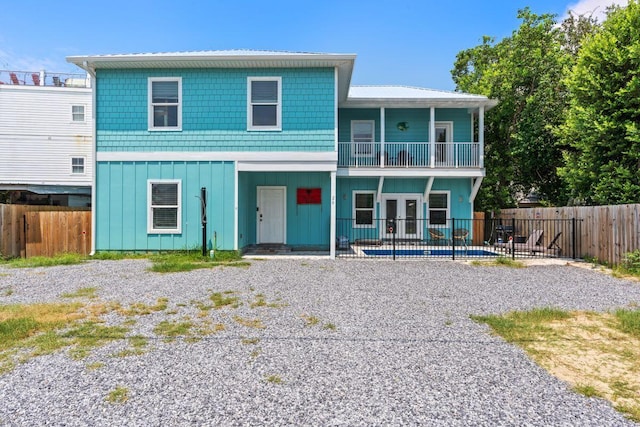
(269, 249)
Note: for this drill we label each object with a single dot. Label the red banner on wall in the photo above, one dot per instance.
(309, 196)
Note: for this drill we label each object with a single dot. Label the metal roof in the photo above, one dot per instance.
(224, 59)
(408, 96)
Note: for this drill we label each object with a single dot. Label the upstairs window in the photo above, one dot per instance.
(362, 138)
(77, 165)
(264, 103)
(165, 103)
(77, 113)
(163, 199)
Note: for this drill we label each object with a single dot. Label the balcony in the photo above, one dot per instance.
(415, 155)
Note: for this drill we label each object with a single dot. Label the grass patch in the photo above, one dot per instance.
(118, 395)
(171, 329)
(116, 256)
(250, 341)
(39, 261)
(89, 292)
(597, 353)
(329, 326)
(181, 261)
(225, 299)
(95, 366)
(310, 320)
(261, 301)
(274, 379)
(141, 309)
(500, 261)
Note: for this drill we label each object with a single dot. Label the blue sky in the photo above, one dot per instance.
(405, 42)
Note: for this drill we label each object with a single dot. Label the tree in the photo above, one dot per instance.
(601, 135)
(525, 72)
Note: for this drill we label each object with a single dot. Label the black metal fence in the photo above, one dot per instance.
(457, 238)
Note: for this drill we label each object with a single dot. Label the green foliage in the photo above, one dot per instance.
(631, 263)
(179, 261)
(601, 135)
(522, 326)
(629, 321)
(525, 73)
(39, 261)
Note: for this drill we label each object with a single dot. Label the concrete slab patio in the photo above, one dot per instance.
(344, 342)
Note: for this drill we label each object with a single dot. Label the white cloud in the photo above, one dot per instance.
(596, 8)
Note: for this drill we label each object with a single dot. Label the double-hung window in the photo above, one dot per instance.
(264, 103)
(164, 202)
(77, 165)
(363, 209)
(362, 138)
(438, 208)
(165, 103)
(77, 113)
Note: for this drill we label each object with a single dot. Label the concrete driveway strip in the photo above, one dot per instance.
(346, 342)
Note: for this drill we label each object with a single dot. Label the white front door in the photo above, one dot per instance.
(271, 215)
(407, 210)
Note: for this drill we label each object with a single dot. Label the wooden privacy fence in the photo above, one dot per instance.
(607, 233)
(27, 231)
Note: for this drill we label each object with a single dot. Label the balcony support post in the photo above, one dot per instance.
(382, 138)
(432, 137)
(481, 136)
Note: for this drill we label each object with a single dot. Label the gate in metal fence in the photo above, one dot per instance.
(457, 238)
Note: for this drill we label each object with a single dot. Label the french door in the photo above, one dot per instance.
(406, 209)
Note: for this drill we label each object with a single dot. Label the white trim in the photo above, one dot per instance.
(256, 156)
(427, 188)
(432, 136)
(235, 206)
(284, 210)
(335, 108)
(412, 172)
(250, 104)
(481, 135)
(447, 214)
(383, 135)
(150, 229)
(476, 187)
(354, 144)
(380, 184)
(84, 166)
(150, 104)
(287, 166)
(332, 221)
(353, 208)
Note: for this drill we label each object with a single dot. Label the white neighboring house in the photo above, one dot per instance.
(46, 138)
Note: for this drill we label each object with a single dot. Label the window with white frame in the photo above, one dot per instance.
(77, 113)
(264, 103)
(77, 165)
(362, 138)
(438, 208)
(164, 201)
(364, 209)
(165, 103)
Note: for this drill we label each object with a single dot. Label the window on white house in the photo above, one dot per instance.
(264, 103)
(362, 138)
(438, 208)
(164, 197)
(363, 209)
(165, 103)
(77, 113)
(77, 165)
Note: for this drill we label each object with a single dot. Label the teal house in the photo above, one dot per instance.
(273, 148)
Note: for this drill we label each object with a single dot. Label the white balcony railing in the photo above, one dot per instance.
(408, 155)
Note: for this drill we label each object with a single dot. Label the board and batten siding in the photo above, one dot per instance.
(38, 137)
(121, 206)
(214, 111)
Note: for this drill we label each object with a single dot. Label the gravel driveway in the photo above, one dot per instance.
(345, 342)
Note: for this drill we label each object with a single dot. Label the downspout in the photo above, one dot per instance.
(92, 73)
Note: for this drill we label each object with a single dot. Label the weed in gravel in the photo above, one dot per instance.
(274, 379)
(181, 261)
(225, 299)
(499, 261)
(141, 309)
(118, 395)
(329, 326)
(95, 366)
(249, 323)
(250, 341)
(89, 292)
(260, 301)
(309, 320)
(7, 292)
(173, 329)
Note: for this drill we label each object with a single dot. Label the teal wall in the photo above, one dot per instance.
(417, 119)
(214, 111)
(459, 188)
(307, 225)
(121, 204)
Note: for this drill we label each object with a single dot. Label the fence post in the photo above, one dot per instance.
(453, 240)
(513, 240)
(573, 237)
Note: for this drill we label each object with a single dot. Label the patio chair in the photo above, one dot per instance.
(460, 234)
(436, 236)
(532, 243)
(552, 247)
